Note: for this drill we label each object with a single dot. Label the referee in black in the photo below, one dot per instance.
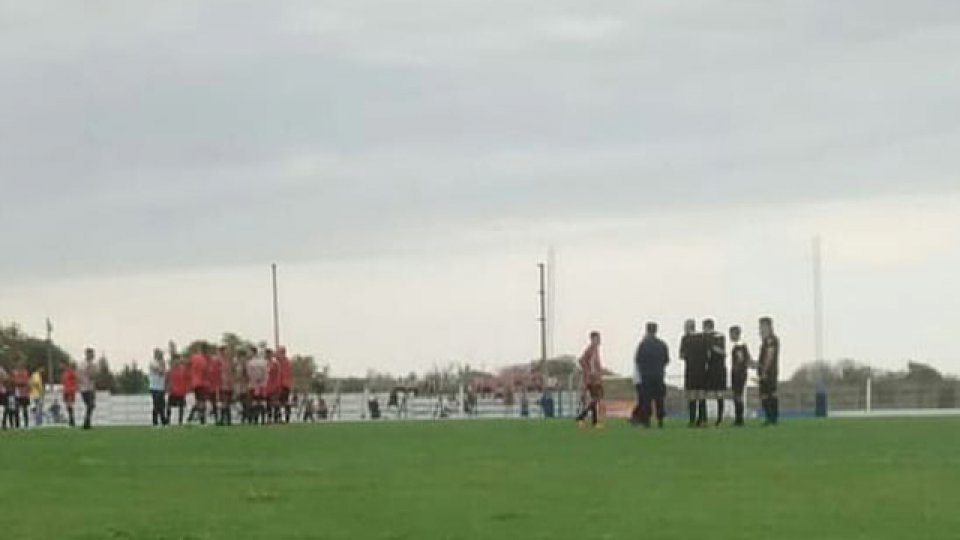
(693, 372)
(740, 362)
(768, 371)
(715, 345)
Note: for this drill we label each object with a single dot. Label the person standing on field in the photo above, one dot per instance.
(36, 395)
(198, 382)
(695, 369)
(4, 398)
(68, 380)
(740, 361)
(286, 382)
(592, 370)
(241, 387)
(273, 387)
(214, 379)
(768, 371)
(178, 381)
(88, 390)
(716, 349)
(158, 388)
(21, 387)
(652, 359)
(225, 390)
(257, 382)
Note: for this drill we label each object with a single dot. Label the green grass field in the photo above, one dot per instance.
(840, 479)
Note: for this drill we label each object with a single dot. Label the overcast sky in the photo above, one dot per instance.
(408, 163)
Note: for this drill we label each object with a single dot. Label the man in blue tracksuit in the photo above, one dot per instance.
(651, 361)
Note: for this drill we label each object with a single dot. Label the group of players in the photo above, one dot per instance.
(259, 380)
(18, 388)
(706, 375)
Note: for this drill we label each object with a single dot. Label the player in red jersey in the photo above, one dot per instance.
(212, 383)
(286, 382)
(68, 379)
(198, 382)
(225, 388)
(273, 388)
(592, 371)
(213, 376)
(179, 383)
(241, 385)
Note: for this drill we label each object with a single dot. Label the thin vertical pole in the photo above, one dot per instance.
(543, 320)
(552, 310)
(276, 310)
(49, 356)
(818, 299)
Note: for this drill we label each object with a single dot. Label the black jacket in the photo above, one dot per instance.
(652, 359)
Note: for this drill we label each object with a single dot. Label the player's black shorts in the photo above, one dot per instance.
(738, 383)
(23, 402)
(200, 394)
(768, 387)
(284, 396)
(717, 379)
(177, 401)
(89, 399)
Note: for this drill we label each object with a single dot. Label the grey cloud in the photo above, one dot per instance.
(180, 133)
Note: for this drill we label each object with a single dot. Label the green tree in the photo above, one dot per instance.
(16, 346)
(923, 373)
(303, 369)
(104, 379)
(234, 342)
(131, 380)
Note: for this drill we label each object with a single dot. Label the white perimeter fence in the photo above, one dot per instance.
(868, 400)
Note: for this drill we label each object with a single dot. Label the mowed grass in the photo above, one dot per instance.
(840, 479)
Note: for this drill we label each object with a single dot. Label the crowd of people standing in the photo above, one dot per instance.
(259, 380)
(706, 375)
(22, 391)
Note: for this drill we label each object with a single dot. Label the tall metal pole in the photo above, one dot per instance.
(49, 355)
(276, 310)
(551, 302)
(544, 372)
(543, 319)
(818, 299)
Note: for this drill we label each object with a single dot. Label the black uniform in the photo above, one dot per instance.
(716, 353)
(740, 361)
(769, 370)
(769, 365)
(693, 351)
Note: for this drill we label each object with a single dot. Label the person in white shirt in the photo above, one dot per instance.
(158, 388)
(86, 379)
(257, 381)
(636, 415)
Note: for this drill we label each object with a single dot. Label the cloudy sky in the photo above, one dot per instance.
(408, 163)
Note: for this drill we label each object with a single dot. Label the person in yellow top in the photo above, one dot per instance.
(36, 395)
